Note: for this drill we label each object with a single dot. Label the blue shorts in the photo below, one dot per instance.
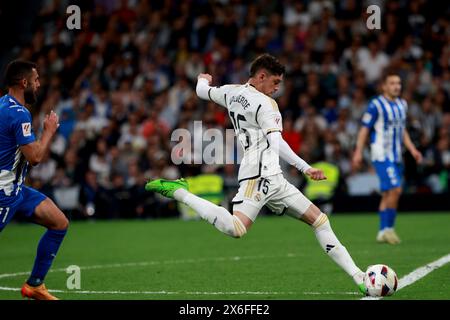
(27, 201)
(390, 174)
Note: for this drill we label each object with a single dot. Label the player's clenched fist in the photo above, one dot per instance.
(315, 174)
(205, 76)
(51, 122)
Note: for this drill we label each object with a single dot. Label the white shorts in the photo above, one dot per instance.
(275, 192)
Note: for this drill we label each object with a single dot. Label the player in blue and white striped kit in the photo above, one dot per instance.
(18, 147)
(384, 122)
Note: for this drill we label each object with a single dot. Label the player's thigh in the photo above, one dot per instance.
(249, 200)
(246, 211)
(389, 173)
(42, 210)
(49, 215)
(289, 200)
(23, 205)
(7, 212)
(396, 189)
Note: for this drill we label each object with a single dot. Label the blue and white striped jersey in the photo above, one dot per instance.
(15, 130)
(386, 120)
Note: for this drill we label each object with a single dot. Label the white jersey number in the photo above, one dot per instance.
(236, 118)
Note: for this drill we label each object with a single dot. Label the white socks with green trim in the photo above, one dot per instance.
(218, 216)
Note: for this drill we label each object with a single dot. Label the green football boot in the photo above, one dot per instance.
(359, 280)
(362, 289)
(166, 187)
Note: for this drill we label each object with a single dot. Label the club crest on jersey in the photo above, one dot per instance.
(26, 129)
(258, 197)
(367, 118)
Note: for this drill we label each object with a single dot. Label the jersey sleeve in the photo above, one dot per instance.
(219, 95)
(405, 105)
(22, 127)
(370, 116)
(268, 117)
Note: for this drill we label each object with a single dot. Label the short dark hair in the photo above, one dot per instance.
(268, 62)
(389, 73)
(17, 70)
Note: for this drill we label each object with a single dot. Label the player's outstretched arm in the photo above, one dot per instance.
(417, 155)
(285, 152)
(34, 152)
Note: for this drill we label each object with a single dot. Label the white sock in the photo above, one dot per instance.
(335, 249)
(218, 216)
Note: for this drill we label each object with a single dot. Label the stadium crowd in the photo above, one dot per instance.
(124, 81)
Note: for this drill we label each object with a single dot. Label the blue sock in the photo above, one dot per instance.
(383, 219)
(391, 214)
(46, 252)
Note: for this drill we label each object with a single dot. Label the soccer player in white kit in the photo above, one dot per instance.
(258, 125)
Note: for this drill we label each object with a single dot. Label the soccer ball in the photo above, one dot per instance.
(380, 281)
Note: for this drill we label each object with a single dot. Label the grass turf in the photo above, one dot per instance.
(278, 259)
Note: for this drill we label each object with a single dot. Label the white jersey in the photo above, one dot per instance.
(254, 115)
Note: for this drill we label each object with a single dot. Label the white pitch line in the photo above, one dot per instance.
(417, 274)
(403, 282)
(149, 263)
(163, 292)
(180, 261)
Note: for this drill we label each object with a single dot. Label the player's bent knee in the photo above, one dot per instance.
(311, 215)
(394, 192)
(239, 228)
(52, 217)
(58, 219)
(239, 235)
(63, 224)
(321, 220)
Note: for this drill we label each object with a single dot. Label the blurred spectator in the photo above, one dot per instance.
(45, 171)
(99, 163)
(372, 61)
(291, 136)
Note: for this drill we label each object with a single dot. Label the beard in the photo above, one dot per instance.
(29, 95)
(396, 94)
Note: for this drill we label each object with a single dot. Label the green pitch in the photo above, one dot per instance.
(278, 259)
